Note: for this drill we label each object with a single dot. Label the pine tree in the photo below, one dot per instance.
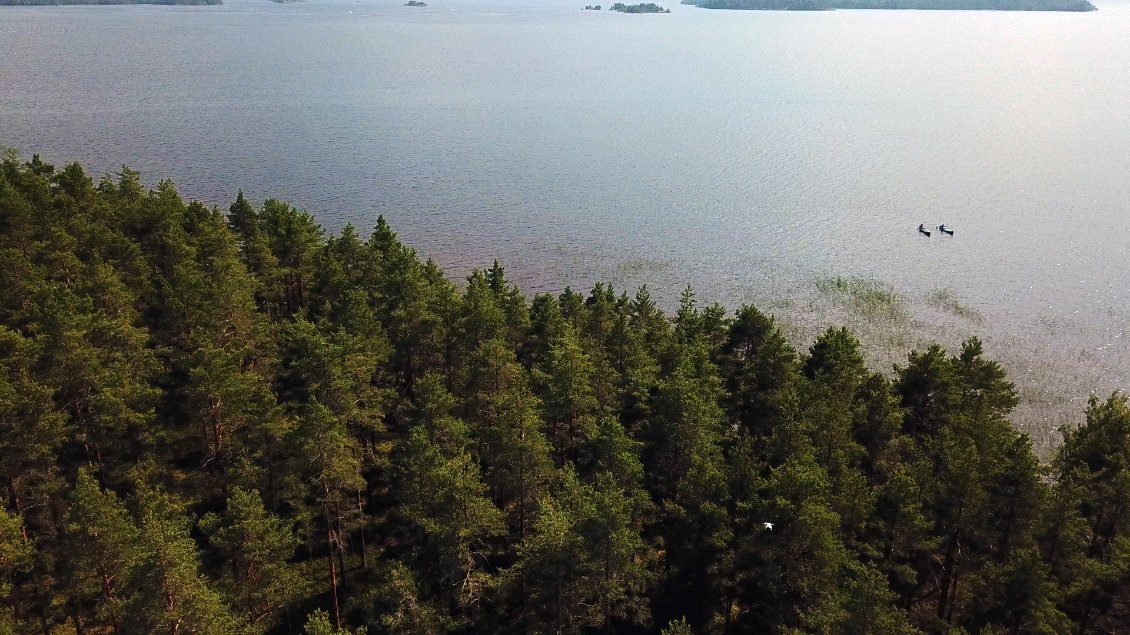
(687, 425)
(418, 308)
(585, 565)
(482, 317)
(1089, 545)
(108, 552)
(981, 486)
(515, 454)
(100, 366)
(835, 374)
(571, 406)
(683, 456)
(256, 253)
(345, 266)
(444, 502)
(169, 593)
(403, 610)
(32, 434)
(16, 554)
(547, 324)
(331, 470)
(257, 547)
(293, 239)
(759, 369)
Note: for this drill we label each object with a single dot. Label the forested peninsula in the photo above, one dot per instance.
(962, 5)
(221, 423)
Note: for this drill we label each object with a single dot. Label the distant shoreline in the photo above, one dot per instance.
(55, 3)
(1070, 6)
(897, 5)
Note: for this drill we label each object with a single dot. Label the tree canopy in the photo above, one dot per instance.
(240, 423)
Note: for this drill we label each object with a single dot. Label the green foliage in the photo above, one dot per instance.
(15, 550)
(169, 593)
(515, 453)
(687, 424)
(369, 448)
(566, 388)
(258, 546)
(318, 623)
(16, 554)
(760, 371)
(679, 627)
(585, 565)
(107, 548)
(444, 502)
(1089, 543)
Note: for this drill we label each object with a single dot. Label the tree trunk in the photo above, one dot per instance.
(79, 630)
(341, 588)
(608, 589)
(333, 578)
(953, 589)
(330, 553)
(944, 587)
(361, 513)
(18, 506)
(1084, 622)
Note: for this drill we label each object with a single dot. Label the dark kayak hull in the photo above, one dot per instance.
(923, 231)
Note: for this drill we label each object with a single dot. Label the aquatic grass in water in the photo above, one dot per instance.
(870, 299)
(639, 266)
(946, 300)
(889, 325)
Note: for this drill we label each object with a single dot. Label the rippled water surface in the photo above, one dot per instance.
(755, 155)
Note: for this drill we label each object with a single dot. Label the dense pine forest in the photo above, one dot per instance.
(236, 423)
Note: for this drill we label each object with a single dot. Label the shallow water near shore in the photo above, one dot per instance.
(780, 159)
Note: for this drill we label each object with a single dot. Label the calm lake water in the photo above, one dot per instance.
(754, 155)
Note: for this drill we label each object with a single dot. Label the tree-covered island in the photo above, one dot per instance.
(647, 7)
(415, 3)
(237, 423)
(966, 5)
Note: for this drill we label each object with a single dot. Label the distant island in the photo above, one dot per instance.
(649, 7)
(957, 5)
(415, 3)
(46, 3)
(590, 7)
